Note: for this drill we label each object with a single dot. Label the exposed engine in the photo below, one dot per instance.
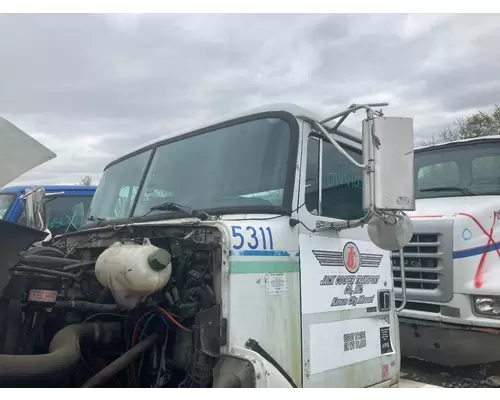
(119, 307)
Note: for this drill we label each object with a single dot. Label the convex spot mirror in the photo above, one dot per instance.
(390, 237)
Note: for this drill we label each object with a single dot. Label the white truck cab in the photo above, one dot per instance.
(307, 297)
(265, 241)
(452, 313)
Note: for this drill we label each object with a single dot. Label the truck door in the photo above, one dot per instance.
(346, 285)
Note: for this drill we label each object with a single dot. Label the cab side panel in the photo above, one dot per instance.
(347, 336)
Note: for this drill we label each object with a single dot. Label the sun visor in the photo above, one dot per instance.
(19, 152)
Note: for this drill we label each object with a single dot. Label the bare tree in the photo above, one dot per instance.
(477, 125)
(85, 181)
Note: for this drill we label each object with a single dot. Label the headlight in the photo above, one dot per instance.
(487, 305)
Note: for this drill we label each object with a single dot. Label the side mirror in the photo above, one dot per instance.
(388, 179)
(34, 207)
(388, 185)
(388, 147)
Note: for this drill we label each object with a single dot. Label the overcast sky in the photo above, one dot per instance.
(92, 87)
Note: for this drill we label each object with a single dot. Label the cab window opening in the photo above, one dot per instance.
(334, 186)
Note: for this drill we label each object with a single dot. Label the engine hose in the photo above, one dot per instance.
(87, 306)
(44, 250)
(83, 264)
(50, 261)
(64, 352)
(58, 261)
(121, 362)
(45, 271)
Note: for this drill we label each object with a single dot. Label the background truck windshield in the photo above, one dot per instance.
(63, 213)
(66, 213)
(459, 170)
(6, 200)
(237, 166)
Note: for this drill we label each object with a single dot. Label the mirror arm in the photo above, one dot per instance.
(369, 166)
(344, 114)
(351, 109)
(29, 192)
(338, 226)
(388, 219)
(329, 137)
(403, 281)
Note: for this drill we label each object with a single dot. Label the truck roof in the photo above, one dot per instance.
(476, 139)
(48, 188)
(290, 108)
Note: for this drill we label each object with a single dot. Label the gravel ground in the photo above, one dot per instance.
(476, 376)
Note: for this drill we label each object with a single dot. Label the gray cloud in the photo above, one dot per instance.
(92, 87)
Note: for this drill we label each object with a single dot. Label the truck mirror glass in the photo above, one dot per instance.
(388, 144)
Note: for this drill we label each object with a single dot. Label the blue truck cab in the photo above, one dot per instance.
(66, 206)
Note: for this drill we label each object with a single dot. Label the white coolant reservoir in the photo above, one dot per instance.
(132, 271)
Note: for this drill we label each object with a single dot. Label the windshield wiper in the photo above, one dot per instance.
(179, 207)
(449, 189)
(95, 219)
(98, 220)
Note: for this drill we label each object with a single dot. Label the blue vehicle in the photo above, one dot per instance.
(65, 206)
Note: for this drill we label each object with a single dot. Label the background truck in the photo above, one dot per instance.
(64, 208)
(452, 314)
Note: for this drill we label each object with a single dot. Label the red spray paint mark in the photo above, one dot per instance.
(385, 371)
(478, 279)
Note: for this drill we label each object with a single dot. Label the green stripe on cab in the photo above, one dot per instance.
(263, 267)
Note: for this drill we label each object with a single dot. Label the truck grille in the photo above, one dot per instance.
(421, 260)
(428, 262)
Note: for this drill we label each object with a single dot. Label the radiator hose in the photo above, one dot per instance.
(64, 352)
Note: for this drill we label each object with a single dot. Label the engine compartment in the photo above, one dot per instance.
(60, 327)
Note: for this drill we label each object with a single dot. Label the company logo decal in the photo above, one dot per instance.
(336, 258)
(351, 257)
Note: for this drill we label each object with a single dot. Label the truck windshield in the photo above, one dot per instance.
(6, 200)
(242, 165)
(464, 169)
